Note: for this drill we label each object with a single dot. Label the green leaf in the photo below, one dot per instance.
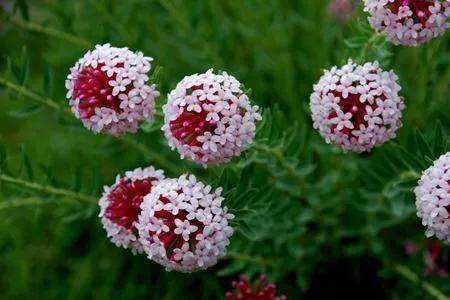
(422, 144)
(13, 68)
(26, 111)
(3, 155)
(25, 66)
(439, 146)
(47, 84)
(22, 5)
(155, 78)
(27, 165)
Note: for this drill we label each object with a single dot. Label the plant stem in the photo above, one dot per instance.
(19, 202)
(34, 27)
(30, 94)
(54, 105)
(47, 189)
(429, 288)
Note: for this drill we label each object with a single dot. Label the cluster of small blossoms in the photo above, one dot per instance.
(261, 291)
(183, 225)
(357, 107)
(208, 118)
(120, 205)
(433, 199)
(409, 22)
(108, 91)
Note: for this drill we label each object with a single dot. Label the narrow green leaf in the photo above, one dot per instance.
(422, 144)
(156, 75)
(47, 84)
(26, 111)
(22, 5)
(13, 68)
(2, 155)
(24, 67)
(27, 165)
(439, 143)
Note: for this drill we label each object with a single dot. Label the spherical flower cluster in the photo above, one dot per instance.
(183, 225)
(108, 91)
(433, 199)
(409, 22)
(357, 107)
(120, 205)
(261, 291)
(208, 118)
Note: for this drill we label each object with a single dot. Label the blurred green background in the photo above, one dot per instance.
(320, 223)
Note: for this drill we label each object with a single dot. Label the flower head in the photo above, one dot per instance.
(433, 199)
(261, 291)
(120, 205)
(409, 22)
(183, 225)
(208, 118)
(108, 91)
(357, 107)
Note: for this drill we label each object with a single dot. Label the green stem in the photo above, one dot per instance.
(47, 189)
(54, 105)
(429, 288)
(20, 202)
(33, 27)
(30, 94)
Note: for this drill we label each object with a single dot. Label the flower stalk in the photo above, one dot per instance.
(46, 189)
(408, 274)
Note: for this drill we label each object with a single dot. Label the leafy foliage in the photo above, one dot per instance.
(300, 204)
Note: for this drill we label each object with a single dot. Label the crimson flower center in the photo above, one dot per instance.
(170, 239)
(93, 89)
(419, 8)
(191, 124)
(353, 105)
(125, 201)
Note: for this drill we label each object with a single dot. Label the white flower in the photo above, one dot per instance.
(108, 91)
(409, 23)
(209, 119)
(119, 209)
(357, 107)
(433, 199)
(190, 238)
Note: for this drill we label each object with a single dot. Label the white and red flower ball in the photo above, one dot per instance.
(409, 22)
(209, 119)
(120, 205)
(357, 107)
(433, 199)
(108, 90)
(183, 224)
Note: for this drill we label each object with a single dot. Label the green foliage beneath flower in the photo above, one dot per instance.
(301, 205)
